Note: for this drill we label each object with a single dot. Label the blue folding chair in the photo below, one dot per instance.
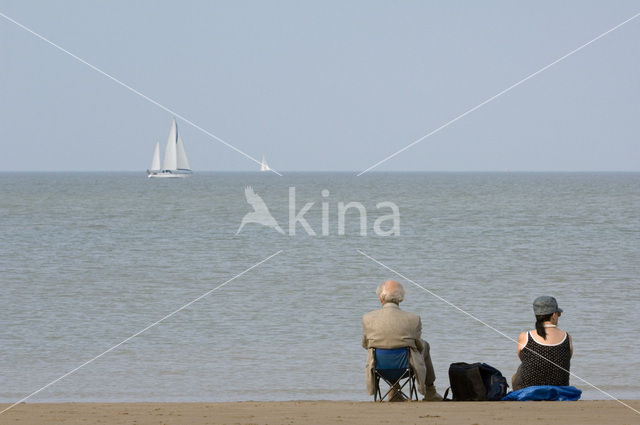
(392, 366)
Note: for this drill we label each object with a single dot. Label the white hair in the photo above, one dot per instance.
(390, 295)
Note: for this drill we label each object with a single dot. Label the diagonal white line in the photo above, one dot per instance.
(492, 328)
(139, 332)
(480, 105)
(128, 87)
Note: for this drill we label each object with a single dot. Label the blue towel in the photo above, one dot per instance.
(544, 393)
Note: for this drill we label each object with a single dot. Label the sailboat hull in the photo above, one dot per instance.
(170, 174)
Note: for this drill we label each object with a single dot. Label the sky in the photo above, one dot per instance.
(321, 86)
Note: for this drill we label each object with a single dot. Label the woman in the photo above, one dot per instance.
(546, 351)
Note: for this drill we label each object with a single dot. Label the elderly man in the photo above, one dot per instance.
(390, 327)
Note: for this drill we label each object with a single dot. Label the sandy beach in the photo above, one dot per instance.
(324, 412)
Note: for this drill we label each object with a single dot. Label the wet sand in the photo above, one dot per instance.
(324, 412)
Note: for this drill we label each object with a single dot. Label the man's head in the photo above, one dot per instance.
(390, 291)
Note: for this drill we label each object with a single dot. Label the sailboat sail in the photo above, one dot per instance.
(155, 163)
(170, 155)
(181, 161)
(175, 162)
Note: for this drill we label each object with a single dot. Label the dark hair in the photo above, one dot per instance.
(540, 319)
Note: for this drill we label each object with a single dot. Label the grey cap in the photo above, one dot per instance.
(545, 305)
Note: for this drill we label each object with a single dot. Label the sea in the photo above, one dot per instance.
(115, 287)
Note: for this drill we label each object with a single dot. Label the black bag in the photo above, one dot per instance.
(476, 382)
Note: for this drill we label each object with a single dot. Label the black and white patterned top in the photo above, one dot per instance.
(535, 370)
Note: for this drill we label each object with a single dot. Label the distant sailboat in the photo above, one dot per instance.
(264, 166)
(175, 162)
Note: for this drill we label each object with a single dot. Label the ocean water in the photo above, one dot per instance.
(89, 259)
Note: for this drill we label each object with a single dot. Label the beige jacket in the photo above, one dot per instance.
(391, 327)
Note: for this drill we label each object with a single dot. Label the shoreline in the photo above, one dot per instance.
(324, 412)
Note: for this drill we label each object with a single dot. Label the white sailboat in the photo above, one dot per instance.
(175, 163)
(263, 165)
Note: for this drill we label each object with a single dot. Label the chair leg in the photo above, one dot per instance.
(397, 387)
(401, 387)
(375, 391)
(413, 393)
(392, 387)
(382, 397)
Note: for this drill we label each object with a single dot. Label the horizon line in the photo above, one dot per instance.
(508, 171)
